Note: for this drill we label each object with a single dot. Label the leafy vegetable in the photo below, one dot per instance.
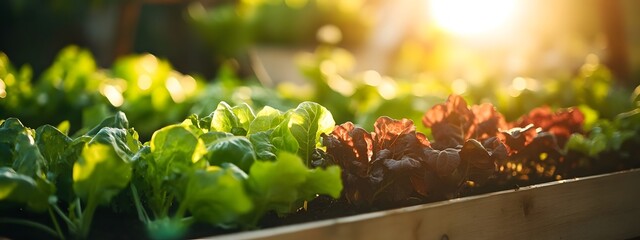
(449, 122)
(99, 174)
(268, 118)
(216, 195)
(236, 150)
(307, 122)
(20, 188)
(172, 153)
(562, 123)
(235, 120)
(282, 185)
(383, 167)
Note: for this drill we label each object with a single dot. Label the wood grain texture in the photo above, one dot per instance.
(598, 207)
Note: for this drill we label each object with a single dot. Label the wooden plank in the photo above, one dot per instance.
(597, 207)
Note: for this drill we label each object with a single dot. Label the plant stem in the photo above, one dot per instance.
(182, 209)
(87, 217)
(55, 223)
(63, 216)
(142, 214)
(32, 224)
(78, 207)
(188, 221)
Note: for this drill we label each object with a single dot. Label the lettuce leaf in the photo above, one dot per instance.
(307, 122)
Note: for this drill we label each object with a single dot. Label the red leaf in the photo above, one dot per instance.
(387, 131)
(561, 123)
(488, 122)
(443, 162)
(384, 166)
(449, 122)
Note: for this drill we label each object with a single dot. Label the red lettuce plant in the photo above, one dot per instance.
(382, 168)
(395, 165)
(535, 144)
(561, 123)
(465, 140)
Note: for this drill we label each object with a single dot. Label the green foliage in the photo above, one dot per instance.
(216, 195)
(235, 120)
(266, 119)
(235, 165)
(237, 150)
(20, 188)
(307, 122)
(100, 173)
(23, 167)
(173, 152)
(604, 135)
(283, 184)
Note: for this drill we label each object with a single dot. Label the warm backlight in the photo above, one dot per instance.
(470, 17)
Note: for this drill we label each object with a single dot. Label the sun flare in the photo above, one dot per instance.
(471, 17)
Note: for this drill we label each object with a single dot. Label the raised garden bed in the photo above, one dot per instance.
(596, 207)
(299, 170)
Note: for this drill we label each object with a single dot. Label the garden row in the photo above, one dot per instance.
(263, 161)
(235, 166)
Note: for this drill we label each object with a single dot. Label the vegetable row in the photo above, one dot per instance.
(235, 165)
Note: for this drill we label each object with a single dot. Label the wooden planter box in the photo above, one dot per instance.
(597, 207)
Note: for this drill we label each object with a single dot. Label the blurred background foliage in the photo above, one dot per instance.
(76, 61)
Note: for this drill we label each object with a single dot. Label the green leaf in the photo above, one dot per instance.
(173, 152)
(283, 184)
(176, 143)
(323, 181)
(261, 142)
(20, 188)
(268, 118)
(236, 150)
(245, 115)
(28, 160)
(59, 152)
(216, 195)
(52, 144)
(117, 121)
(307, 122)
(100, 173)
(591, 146)
(235, 120)
(282, 138)
(211, 137)
(276, 185)
(119, 139)
(9, 131)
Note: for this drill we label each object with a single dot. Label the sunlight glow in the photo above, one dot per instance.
(3, 91)
(469, 17)
(175, 89)
(144, 82)
(519, 84)
(113, 95)
(372, 78)
(459, 86)
(341, 85)
(329, 34)
(388, 88)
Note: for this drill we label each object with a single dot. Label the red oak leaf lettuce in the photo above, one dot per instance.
(383, 168)
(454, 122)
(561, 123)
(449, 122)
